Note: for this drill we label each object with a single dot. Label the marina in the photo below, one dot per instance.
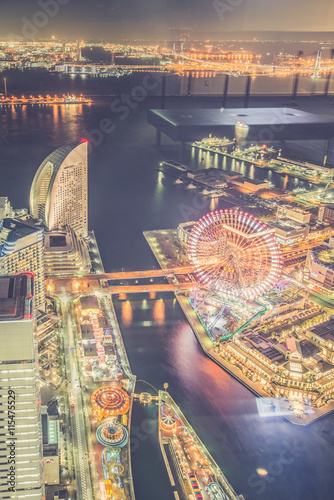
(48, 100)
(266, 158)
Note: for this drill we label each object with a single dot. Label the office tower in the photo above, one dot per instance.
(59, 190)
(21, 249)
(20, 440)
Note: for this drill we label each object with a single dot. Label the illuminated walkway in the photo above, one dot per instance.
(149, 288)
(151, 273)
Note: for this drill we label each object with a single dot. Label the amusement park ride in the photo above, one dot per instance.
(235, 258)
(234, 254)
(231, 254)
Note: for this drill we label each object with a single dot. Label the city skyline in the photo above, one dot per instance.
(166, 249)
(154, 19)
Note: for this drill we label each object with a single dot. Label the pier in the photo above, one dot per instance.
(48, 100)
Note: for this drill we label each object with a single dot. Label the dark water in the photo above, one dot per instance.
(126, 196)
(162, 348)
(41, 82)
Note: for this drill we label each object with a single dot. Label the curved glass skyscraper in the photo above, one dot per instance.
(59, 192)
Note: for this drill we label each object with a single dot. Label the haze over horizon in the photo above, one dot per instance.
(91, 19)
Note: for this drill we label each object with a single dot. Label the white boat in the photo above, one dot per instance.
(178, 181)
(191, 186)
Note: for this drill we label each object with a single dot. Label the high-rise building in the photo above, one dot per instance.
(59, 192)
(5, 208)
(20, 436)
(22, 249)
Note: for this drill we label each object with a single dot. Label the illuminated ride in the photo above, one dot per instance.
(112, 434)
(167, 423)
(235, 254)
(108, 401)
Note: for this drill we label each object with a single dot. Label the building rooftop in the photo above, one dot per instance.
(89, 302)
(16, 296)
(256, 182)
(259, 343)
(324, 330)
(57, 241)
(285, 293)
(324, 256)
(194, 124)
(87, 332)
(17, 229)
(308, 349)
(285, 224)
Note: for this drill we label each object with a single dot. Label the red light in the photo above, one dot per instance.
(84, 140)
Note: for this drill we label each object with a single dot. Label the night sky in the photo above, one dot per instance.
(111, 19)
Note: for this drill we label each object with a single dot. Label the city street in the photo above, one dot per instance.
(79, 438)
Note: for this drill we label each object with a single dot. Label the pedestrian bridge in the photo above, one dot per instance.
(128, 275)
(164, 287)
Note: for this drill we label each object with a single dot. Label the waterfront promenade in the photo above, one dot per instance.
(209, 349)
(165, 398)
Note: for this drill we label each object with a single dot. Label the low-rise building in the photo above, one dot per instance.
(320, 263)
(322, 335)
(320, 230)
(326, 214)
(294, 213)
(288, 232)
(253, 185)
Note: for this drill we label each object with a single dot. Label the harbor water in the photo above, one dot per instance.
(127, 196)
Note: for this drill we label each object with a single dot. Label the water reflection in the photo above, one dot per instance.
(203, 159)
(224, 413)
(159, 189)
(144, 305)
(214, 202)
(127, 313)
(193, 153)
(159, 312)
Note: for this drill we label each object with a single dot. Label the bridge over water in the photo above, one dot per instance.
(92, 282)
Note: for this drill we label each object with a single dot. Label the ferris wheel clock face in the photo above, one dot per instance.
(235, 254)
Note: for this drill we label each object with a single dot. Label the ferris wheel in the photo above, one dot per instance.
(234, 253)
